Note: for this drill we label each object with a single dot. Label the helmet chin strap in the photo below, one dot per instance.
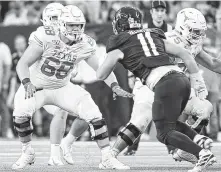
(67, 40)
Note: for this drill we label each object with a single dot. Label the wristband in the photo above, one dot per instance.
(195, 75)
(114, 84)
(25, 81)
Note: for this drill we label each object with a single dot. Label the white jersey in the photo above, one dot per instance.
(176, 38)
(53, 69)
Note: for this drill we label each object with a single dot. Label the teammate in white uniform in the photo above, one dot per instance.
(45, 71)
(82, 72)
(189, 33)
(50, 17)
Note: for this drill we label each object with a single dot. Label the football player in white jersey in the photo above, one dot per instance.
(50, 17)
(189, 33)
(45, 71)
(57, 127)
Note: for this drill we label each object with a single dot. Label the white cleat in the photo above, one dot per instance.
(180, 155)
(55, 161)
(206, 158)
(27, 158)
(110, 162)
(203, 141)
(66, 150)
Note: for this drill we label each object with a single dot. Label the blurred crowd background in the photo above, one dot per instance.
(19, 18)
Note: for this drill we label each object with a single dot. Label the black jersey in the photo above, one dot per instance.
(143, 50)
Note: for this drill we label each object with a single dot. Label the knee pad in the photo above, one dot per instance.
(98, 129)
(130, 133)
(23, 126)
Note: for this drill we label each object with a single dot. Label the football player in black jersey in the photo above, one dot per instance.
(144, 53)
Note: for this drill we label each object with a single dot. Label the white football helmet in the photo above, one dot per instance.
(72, 23)
(191, 24)
(51, 14)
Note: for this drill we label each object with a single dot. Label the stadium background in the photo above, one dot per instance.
(23, 17)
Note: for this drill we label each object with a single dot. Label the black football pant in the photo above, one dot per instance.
(171, 95)
(199, 129)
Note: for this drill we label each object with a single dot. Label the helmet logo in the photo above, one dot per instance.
(185, 17)
(137, 14)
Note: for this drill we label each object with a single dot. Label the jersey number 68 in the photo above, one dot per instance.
(59, 73)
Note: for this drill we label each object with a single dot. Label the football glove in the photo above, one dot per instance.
(198, 84)
(30, 90)
(118, 91)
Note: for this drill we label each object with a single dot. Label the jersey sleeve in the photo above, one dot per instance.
(38, 37)
(116, 42)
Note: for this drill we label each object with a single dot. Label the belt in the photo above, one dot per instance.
(172, 72)
(167, 74)
(143, 80)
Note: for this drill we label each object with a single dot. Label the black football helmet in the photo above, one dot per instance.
(127, 18)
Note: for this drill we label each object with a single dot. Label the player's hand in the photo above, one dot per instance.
(202, 92)
(118, 91)
(197, 82)
(30, 90)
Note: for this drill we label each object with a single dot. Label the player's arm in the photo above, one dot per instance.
(110, 79)
(211, 63)
(78, 78)
(183, 54)
(196, 79)
(30, 56)
(109, 63)
(94, 63)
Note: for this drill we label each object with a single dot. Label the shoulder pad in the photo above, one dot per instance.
(42, 35)
(115, 41)
(37, 36)
(176, 38)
